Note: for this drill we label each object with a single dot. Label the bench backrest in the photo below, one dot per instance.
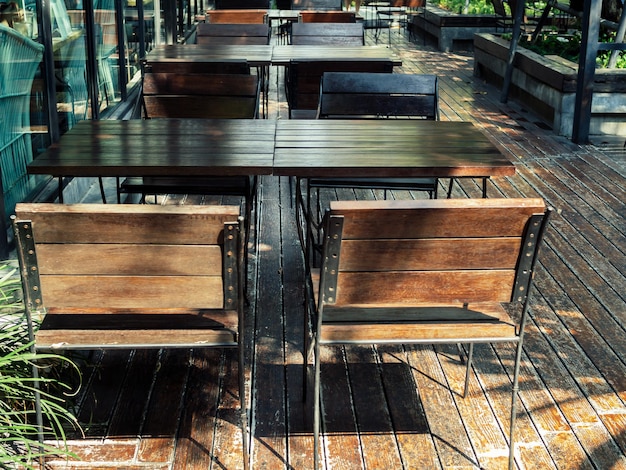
(327, 17)
(230, 33)
(320, 5)
(340, 34)
(369, 95)
(235, 16)
(430, 252)
(180, 65)
(225, 96)
(304, 77)
(126, 261)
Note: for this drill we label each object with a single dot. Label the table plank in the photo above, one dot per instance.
(256, 55)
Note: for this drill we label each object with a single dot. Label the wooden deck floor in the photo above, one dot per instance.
(399, 407)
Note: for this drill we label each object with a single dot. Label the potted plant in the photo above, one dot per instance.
(19, 436)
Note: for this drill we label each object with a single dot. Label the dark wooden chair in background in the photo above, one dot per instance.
(207, 96)
(372, 96)
(432, 271)
(232, 33)
(242, 4)
(316, 5)
(128, 276)
(304, 77)
(340, 34)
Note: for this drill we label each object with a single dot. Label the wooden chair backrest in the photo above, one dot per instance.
(340, 34)
(304, 77)
(369, 95)
(130, 264)
(177, 95)
(428, 252)
(237, 16)
(178, 65)
(316, 5)
(230, 33)
(242, 4)
(327, 17)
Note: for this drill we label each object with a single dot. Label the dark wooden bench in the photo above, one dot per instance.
(340, 34)
(426, 271)
(128, 276)
(304, 78)
(230, 33)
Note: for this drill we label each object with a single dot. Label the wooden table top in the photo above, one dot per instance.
(385, 148)
(161, 147)
(264, 55)
(256, 55)
(184, 147)
(282, 55)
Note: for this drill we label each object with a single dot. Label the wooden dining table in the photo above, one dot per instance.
(257, 55)
(254, 147)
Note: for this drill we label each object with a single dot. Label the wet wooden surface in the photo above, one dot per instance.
(400, 407)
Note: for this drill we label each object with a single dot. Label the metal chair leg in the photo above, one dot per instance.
(316, 407)
(468, 368)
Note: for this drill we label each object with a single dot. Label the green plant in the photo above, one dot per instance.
(19, 437)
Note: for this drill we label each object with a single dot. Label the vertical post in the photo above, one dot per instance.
(586, 70)
(517, 29)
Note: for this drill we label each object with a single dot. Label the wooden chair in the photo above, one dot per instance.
(395, 11)
(327, 17)
(206, 96)
(372, 96)
(304, 77)
(340, 34)
(431, 271)
(174, 65)
(242, 4)
(235, 16)
(125, 276)
(316, 5)
(230, 33)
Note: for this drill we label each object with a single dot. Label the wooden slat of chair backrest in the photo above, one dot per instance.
(363, 95)
(443, 252)
(319, 5)
(233, 96)
(195, 66)
(340, 34)
(327, 17)
(131, 263)
(236, 16)
(305, 77)
(229, 33)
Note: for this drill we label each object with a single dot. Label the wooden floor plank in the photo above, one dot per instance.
(397, 407)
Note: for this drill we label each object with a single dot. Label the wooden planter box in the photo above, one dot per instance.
(452, 30)
(547, 85)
